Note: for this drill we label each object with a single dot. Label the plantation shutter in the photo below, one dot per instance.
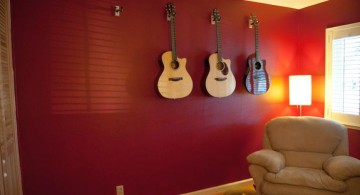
(342, 101)
(346, 75)
(10, 176)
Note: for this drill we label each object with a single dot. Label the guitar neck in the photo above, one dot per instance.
(218, 39)
(257, 55)
(173, 39)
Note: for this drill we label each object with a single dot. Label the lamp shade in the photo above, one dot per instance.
(300, 89)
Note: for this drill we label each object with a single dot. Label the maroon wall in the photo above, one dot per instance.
(313, 22)
(90, 117)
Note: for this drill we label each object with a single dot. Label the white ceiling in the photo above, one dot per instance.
(295, 4)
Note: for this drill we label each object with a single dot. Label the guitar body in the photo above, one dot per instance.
(220, 82)
(174, 82)
(257, 80)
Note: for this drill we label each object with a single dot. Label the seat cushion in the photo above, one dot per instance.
(308, 177)
(305, 159)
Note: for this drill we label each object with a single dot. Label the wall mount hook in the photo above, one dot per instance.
(251, 23)
(118, 10)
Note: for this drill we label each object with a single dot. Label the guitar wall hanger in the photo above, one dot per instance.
(251, 22)
(117, 10)
(212, 19)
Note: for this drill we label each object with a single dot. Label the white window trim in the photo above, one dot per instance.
(351, 121)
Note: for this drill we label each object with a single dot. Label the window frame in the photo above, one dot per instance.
(351, 121)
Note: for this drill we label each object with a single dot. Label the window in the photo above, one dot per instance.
(342, 80)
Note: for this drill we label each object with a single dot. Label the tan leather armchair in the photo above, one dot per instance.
(307, 156)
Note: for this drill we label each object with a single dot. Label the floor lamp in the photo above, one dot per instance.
(300, 90)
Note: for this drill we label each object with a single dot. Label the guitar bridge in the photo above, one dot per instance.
(175, 78)
(220, 78)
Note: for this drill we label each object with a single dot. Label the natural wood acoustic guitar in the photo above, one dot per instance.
(220, 81)
(257, 80)
(174, 82)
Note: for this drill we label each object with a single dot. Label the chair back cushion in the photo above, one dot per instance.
(306, 141)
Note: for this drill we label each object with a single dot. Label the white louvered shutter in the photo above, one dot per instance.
(342, 101)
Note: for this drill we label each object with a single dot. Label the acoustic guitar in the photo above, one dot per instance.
(174, 82)
(257, 80)
(220, 81)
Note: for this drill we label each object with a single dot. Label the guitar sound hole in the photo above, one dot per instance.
(175, 65)
(257, 65)
(220, 66)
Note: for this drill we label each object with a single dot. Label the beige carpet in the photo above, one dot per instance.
(243, 187)
(246, 190)
(240, 192)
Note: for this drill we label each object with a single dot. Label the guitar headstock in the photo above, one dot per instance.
(253, 20)
(215, 17)
(170, 11)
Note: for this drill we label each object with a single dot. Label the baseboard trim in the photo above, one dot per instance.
(223, 188)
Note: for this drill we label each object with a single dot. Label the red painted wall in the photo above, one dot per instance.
(313, 22)
(89, 115)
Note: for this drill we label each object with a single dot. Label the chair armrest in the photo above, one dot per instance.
(342, 167)
(269, 159)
